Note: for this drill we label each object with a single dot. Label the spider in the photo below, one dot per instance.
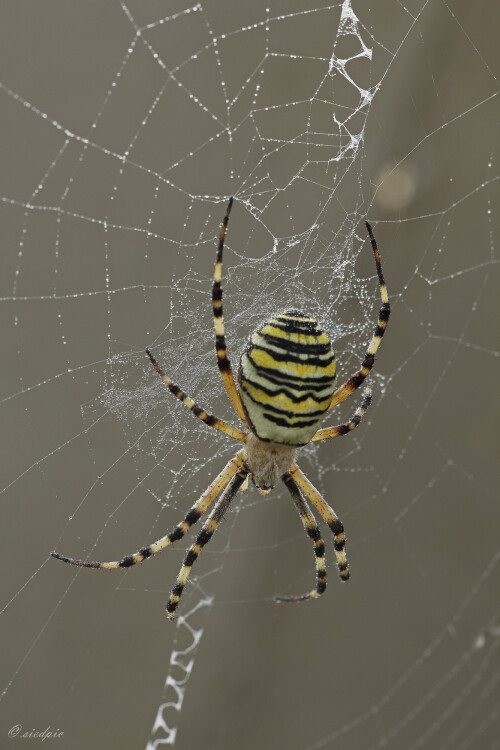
(286, 379)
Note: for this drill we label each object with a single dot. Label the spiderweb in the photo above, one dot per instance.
(126, 128)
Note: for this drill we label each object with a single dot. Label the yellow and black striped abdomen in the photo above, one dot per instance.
(286, 379)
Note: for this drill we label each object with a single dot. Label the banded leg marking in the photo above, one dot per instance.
(342, 429)
(209, 419)
(312, 531)
(203, 538)
(329, 516)
(178, 532)
(220, 338)
(355, 381)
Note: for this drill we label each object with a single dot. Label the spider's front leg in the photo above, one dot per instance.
(223, 361)
(383, 318)
(209, 419)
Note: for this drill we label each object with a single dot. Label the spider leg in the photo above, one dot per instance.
(178, 532)
(220, 338)
(342, 429)
(312, 531)
(209, 419)
(355, 381)
(329, 516)
(203, 537)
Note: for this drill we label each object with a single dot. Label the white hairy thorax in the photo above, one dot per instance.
(267, 462)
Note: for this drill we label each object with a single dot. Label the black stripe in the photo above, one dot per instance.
(294, 326)
(176, 534)
(337, 527)
(190, 558)
(385, 311)
(294, 346)
(296, 399)
(285, 412)
(203, 537)
(299, 384)
(313, 533)
(224, 364)
(319, 551)
(312, 361)
(356, 380)
(208, 418)
(343, 429)
(369, 360)
(192, 516)
(284, 423)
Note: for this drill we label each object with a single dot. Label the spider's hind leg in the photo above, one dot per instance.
(312, 531)
(329, 516)
(192, 516)
(203, 537)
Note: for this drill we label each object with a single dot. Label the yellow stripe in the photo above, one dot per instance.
(263, 359)
(211, 525)
(182, 578)
(219, 326)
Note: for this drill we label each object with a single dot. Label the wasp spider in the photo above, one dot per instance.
(286, 381)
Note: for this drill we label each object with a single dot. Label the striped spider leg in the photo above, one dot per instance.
(193, 515)
(328, 515)
(209, 527)
(300, 488)
(355, 380)
(286, 379)
(223, 362)
(227, 476)
(312, 531)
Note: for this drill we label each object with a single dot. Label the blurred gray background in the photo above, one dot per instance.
(117, 163)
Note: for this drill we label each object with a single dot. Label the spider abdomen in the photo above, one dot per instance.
(286, 379)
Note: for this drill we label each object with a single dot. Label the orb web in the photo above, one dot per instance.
(121, 157)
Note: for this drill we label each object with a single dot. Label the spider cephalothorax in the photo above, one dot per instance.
(286, 383)
(266, 462)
